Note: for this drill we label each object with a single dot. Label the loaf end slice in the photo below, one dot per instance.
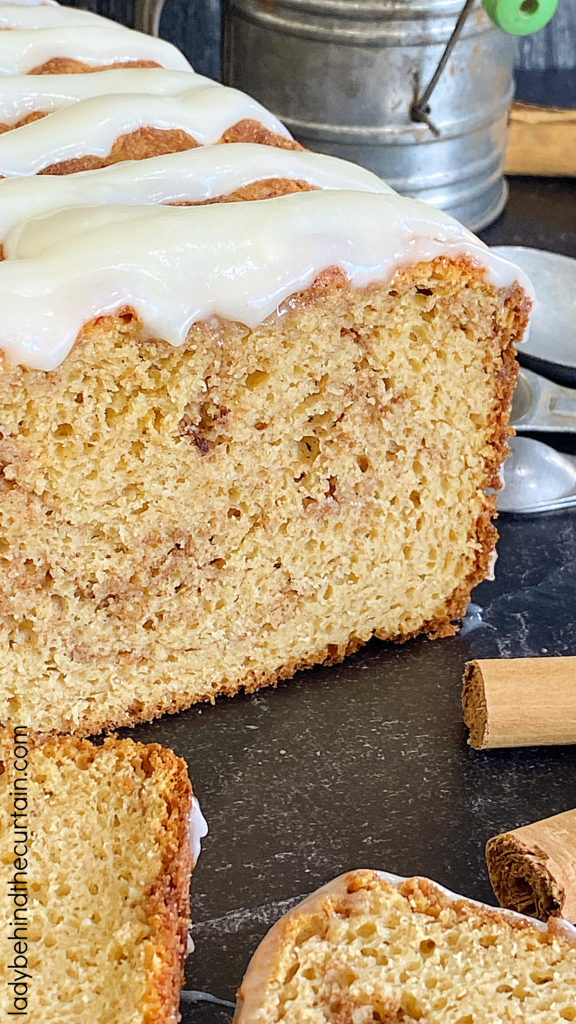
(105, 861)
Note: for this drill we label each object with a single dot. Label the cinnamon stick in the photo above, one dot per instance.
(533, 868)
(520, 702)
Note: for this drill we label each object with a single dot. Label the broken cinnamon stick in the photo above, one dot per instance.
(533, 868)
(520, 702)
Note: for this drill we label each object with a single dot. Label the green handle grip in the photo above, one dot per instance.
(520, 17)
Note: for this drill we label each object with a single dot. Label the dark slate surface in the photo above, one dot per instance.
(366, 763)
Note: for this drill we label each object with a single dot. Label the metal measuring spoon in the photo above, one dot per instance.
(538, 404)
(537, 478)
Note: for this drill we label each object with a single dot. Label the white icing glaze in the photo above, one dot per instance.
(92, 126)
(197, 830)
(194, 175)
(490, 575)
(22, 50)
(24, 94)
(27, 16)
(178, 265)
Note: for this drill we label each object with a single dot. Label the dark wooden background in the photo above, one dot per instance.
(546, 65)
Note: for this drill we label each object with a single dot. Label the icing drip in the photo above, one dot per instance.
(193, 176)
(194, 996)
(23, 94)
(23, 50)
(177, 265)
(197, 830)
(490, 575)
(93, 126)
(27, 16)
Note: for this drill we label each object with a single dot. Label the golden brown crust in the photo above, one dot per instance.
(266, 188)
(253, 681)
(426, 897)
(149, 141)
(69, 66)
(169, 896)
(138, 145)
(250, 130)
(34, 116)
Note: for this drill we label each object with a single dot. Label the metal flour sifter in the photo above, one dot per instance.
(418, 91)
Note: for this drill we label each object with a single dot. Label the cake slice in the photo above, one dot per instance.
(25, 98)
(95, 873)
(71, 48)
(375, 947)
(105, 130)
(207, 174)
(239, 440)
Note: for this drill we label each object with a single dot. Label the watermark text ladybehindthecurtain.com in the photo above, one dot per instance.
(19, 977)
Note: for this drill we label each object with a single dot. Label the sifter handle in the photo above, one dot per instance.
(520, 17)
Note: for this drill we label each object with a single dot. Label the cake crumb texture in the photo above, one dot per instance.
(363, 950)
(107, 878)
(177, 523)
